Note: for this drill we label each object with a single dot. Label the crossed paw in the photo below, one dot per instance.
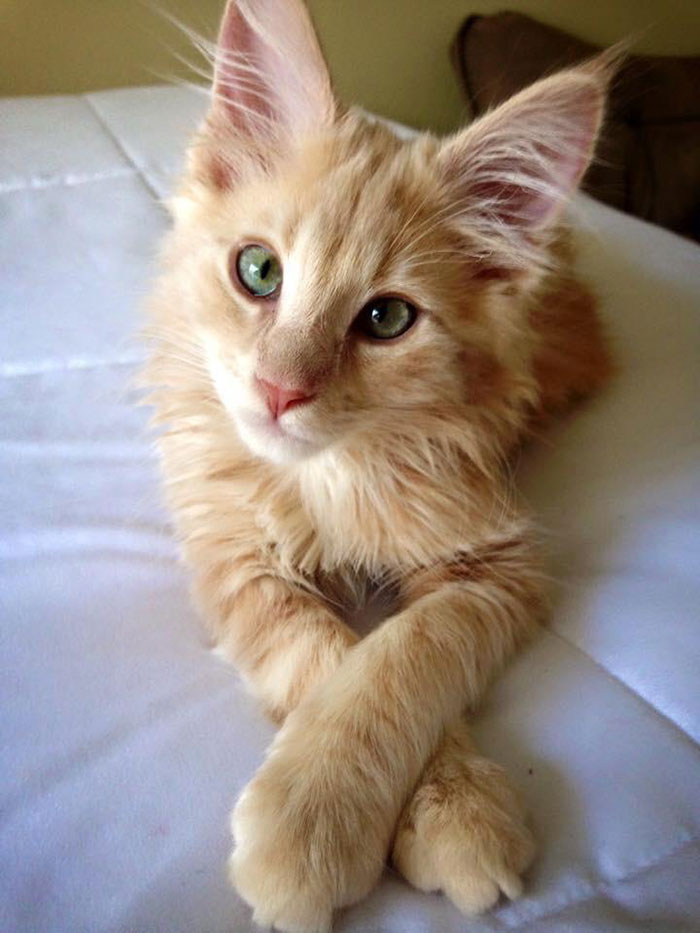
(463, 833)
(311, 836)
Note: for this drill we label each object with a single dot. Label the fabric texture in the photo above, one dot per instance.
(124, 740)
(649, 160)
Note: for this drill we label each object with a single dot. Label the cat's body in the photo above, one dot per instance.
(299, 453)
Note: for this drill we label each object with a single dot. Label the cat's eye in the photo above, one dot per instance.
(258, 270)
(386, 318)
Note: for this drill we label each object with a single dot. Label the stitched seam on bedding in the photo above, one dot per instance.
(628, 687)
(122, 148)
(66, 180)
(41, 367)
(594, 888)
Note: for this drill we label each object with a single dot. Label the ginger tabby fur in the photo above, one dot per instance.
(395, 472)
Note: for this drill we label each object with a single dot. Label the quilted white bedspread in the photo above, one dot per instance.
(124, 741)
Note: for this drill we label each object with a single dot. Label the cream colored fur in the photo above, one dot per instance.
(396, 473)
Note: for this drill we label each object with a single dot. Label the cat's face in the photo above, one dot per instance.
(341, 281)
(372, 305)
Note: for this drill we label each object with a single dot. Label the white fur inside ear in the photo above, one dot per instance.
(269, 71)
(512, 171)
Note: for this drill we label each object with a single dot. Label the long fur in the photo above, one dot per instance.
(397, 471)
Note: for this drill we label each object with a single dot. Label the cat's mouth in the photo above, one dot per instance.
(271, 438)
(273, 426)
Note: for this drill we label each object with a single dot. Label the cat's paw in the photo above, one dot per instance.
(267, 868)
(303, 845)
(464, 834)
(269, 880)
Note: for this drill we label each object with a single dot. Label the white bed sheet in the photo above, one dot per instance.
(124, 741)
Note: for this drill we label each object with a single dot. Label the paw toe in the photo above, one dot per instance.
(293, 920)
(415, 862)
(510, 883)
(472, 893)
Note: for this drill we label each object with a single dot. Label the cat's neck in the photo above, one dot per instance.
(373, 508)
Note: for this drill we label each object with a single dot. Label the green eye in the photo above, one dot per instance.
(259, 271)
(385, 318)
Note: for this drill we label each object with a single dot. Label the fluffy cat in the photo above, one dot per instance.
(350, 335)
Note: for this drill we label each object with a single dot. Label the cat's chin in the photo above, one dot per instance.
(269, 440)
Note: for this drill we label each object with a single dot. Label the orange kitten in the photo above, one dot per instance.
(351, 332)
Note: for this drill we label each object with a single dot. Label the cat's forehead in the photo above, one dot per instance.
(353, 188)
(360, 177)
(355, 206)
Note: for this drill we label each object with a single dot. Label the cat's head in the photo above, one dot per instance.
(342, 282)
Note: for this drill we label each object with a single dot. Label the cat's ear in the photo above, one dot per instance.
(511, 172)
(271, 83)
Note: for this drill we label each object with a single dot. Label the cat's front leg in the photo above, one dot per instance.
(463, 831)
(313, 829)
(282, 639)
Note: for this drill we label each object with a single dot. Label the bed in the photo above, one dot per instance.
(124, 739)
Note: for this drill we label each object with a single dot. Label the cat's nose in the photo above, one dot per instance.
(280, 399)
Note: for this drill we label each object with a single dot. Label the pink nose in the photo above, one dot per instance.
(280, 400)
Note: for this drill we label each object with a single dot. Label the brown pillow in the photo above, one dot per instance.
(649, 160)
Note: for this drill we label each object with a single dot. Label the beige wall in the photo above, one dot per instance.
(389, 55)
